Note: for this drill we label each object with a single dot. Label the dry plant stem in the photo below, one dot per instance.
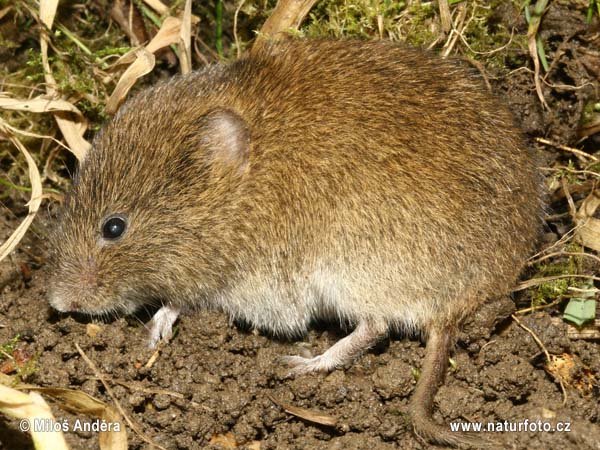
(157, 6)
(235, 24)
(185, 39)
(559, 254)
(445, 16)
(579, 153)
(567, 169)
(287, 15)
(72, 133)
(572, 208)
(543, 347)
(110, 392)
(536, 281)
(532, 46)
(199, 54)
(537, 308)
(456, 30)
(563, 240)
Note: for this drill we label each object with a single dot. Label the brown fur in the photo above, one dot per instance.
(360, 182)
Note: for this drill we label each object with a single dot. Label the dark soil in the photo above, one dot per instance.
(216, 380)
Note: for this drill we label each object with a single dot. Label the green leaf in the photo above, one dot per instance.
(580, 310)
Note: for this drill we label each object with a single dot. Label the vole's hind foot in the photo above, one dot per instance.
(366, 334)
(161, 325)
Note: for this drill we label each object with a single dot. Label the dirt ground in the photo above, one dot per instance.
(219, 384)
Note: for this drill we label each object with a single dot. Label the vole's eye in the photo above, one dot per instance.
(114, 227)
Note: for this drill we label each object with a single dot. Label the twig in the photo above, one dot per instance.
(110, 392)
(561, 253)
(445, 16)
(543, 347)
(537, 281)
(537, 308)
(235, 25)
(575, 151)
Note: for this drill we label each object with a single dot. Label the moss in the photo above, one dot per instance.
(549, 291)
(365, 19)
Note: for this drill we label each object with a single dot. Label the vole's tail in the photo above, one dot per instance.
(432, 376)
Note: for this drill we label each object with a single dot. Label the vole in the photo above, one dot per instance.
(360, 182)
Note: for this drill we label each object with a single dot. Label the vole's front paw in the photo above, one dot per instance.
(161, 325)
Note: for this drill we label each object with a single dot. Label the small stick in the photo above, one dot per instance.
(543, 347)
(561, 253)
(575, 151)
(235, 26)
(537, 281)
(110, 392)
(445, 16)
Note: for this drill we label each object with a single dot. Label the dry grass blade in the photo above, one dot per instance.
(306, 414)
(110, 392)
(48, 12)
(143, 64)
(36, 195)
(185, 39)
(32, 408)
(445, 16)
(157, 6)
(534, 25)
(71, 129)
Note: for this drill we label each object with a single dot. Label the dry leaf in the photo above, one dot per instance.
(588, 227)
(168, 34)
(143, 64)
(128, 16)
(227, 440)
(32, 407)
(306, 414)
(33, 204)
(93, 329)
(572, 373)
(79, 402)
(39, 104)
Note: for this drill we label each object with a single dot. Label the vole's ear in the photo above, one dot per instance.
(227, 139)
